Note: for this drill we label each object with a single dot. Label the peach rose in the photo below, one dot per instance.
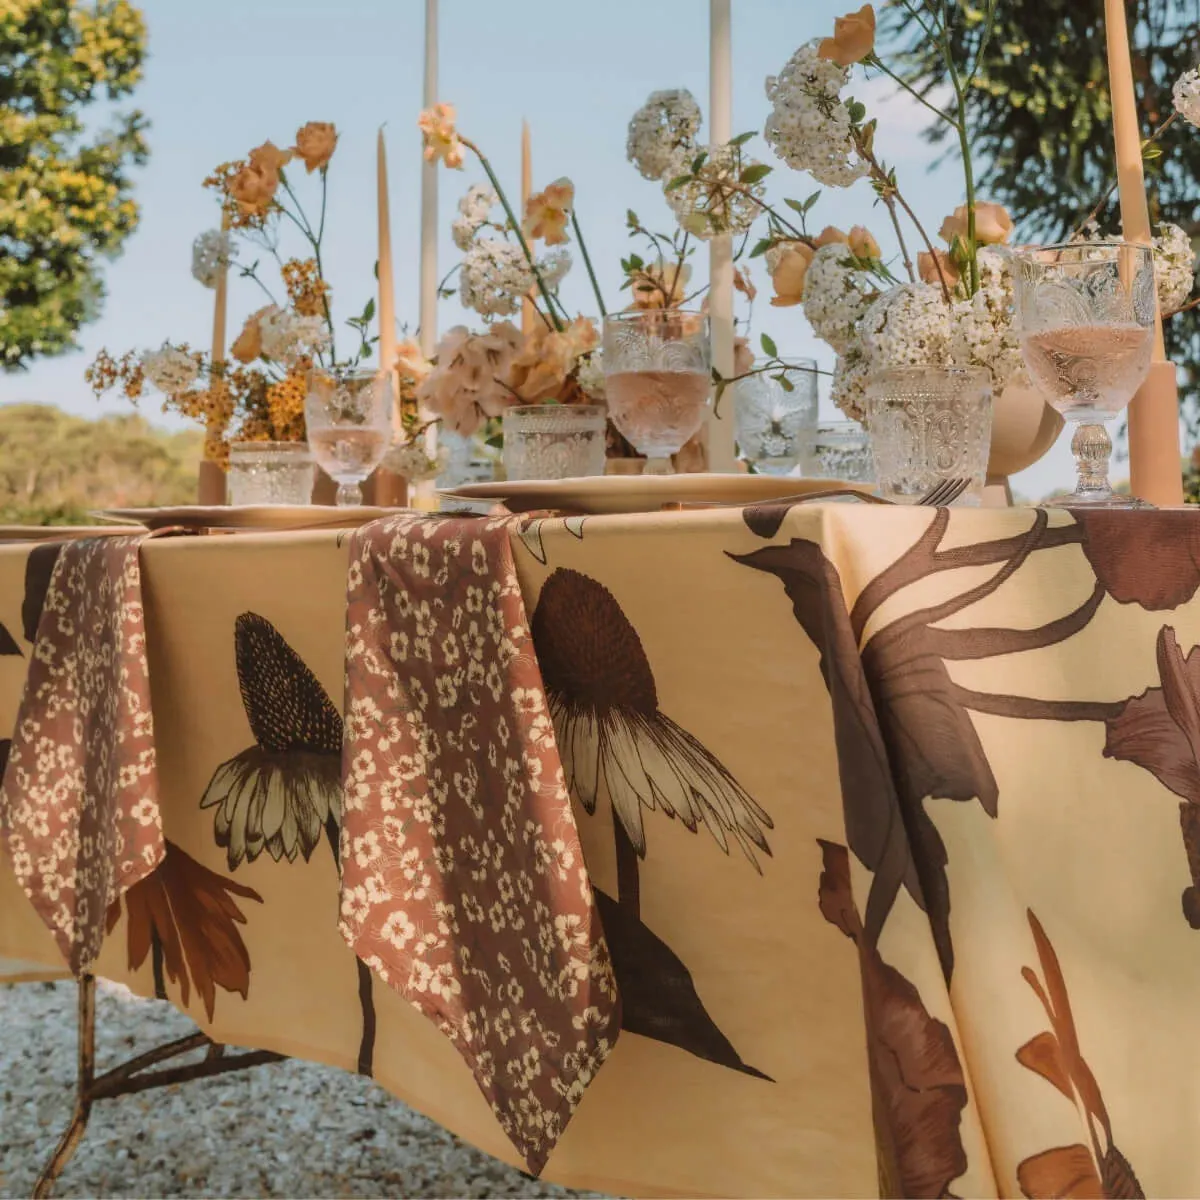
(546, 213)
(315, 143)
(927, 268)
(787, 274)
(253, 188)
(992, 225)
(853, 38)
(862, 244)
(248, 344)
(831, 235)
(268, 157)
(661, 285)
(440, 135)
(582, 335)
(411, 365)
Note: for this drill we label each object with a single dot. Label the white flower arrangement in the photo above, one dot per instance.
(212, 252)
(662, 132)
(171, 369)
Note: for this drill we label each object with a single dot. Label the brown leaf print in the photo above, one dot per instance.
(1056, 1056)
(39, 567)
(1160, 731)
(1155, 564)
(190, 912)
(8, 645)
(917, 1086)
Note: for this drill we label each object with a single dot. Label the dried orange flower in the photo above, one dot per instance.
(247, 345)
(660, 285)
(285, 407)
(853, 38)
(546, 213)
(315, 143)
(269, 158)
(254, 188)
(307, 291)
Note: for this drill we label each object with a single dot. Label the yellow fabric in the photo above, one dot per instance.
(1083, 847)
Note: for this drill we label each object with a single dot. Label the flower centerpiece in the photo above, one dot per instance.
(256, 393)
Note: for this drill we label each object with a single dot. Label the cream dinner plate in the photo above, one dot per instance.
(264, 517)
(642, 493)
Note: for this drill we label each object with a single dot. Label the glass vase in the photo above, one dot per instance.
(270, 473)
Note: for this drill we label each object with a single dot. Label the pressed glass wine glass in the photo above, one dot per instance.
(349, 419)
(776, 425)
(657, 379)
(1085, 314)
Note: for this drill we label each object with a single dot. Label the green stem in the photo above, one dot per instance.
(964, 142)
(876, 61)
(516, 228)
(587, 262)
(314, 240)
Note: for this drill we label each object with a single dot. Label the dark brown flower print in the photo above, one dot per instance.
(918, 1090)
(189, 917)
(1056, 1056)
(604, 704)
(1153, 563)
(903, 725)
(1160, 731)
(280, 794)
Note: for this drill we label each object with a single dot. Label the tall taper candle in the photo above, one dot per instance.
(211, 482)
(720, 296)
(387, 291)
(1154, 454)
(529, 317)
(427, 313)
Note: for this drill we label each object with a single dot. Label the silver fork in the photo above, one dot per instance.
(944, 493)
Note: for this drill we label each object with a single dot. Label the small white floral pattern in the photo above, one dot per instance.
(79, 807)
(464, 885)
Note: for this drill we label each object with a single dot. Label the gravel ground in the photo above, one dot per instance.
(289, 1129)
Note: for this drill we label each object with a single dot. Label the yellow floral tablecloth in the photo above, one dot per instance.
(891, 817)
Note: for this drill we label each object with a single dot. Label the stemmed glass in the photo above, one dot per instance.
(1085, 314)
(657, 379)
(349, 419)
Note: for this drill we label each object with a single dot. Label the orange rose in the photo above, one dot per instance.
(862, 244)
(269, 158)
(582, 336)
(254, 189)
(853, 38)
(788, 272)
(248, 345)
(315, 143)
(831, 235)
(927, 268)
(992, 225)
(546, 213)
(440, 135)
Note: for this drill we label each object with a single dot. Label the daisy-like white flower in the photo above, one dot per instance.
(1174, 267)
(212, 251)
(605, 708)
(836, 295)
(810, 126)
(908, 326)
(1186, 94)
(662, 131)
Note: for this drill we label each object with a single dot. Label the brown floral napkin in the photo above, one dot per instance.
(79, 804)
(463, 881)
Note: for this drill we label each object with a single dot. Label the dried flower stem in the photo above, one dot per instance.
(587, 262)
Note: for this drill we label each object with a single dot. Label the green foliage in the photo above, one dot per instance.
(1040, 121)
(65, 194)
(56, 468)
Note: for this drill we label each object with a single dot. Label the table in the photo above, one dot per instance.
(888, 815)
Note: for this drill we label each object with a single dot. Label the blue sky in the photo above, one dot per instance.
(225, 75)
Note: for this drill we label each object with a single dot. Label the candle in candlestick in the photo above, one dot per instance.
(387, 293)
(720, 295)
(529, 317)
(1154, 454)
(429, 196)
(220, 303)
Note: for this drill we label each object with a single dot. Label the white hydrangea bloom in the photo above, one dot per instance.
(982, 331)
(554, 267)
(709, 205)
(494, 277)
(809, 126)
(474, 210)
(170, 370)
(287, 335)
(849, 388)
(414, 462)
(1174, 267)
(835, 295)
(1186, 94)
(590, 375)
(662, 131)
(211, 251)
(908, 326)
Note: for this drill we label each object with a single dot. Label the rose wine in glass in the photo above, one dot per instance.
(349, 418)
(1085, 315)
(657, 365)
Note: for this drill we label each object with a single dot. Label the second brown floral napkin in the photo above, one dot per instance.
(79, 805)
(464, 885)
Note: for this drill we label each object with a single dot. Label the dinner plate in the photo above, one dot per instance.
(641, 493)
(60, 533)
(264, 517)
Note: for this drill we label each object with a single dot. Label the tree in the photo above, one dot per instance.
(1041, 122)
(56, 468)
(65, 193)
